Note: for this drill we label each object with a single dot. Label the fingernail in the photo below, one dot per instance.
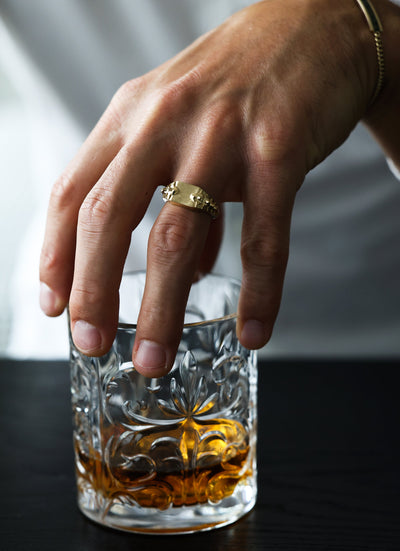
(49, 301)
(253, 334)
(151, 356)
(86, 337)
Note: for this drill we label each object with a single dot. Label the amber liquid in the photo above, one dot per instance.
(204, 463)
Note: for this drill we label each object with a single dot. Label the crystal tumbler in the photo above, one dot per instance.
(174, 454)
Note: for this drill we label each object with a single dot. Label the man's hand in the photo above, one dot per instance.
(244, 112)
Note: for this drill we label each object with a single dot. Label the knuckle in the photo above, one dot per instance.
(273, 141)
(63, 193)
(95, 210)
(169, 238)
(168, 99)
(164, 103)
(158, 320)
(94, 300)
(225, 116)
(50, 262)
(221, 125)
(154, 315)
(116, 117)
(85, 299)
(87, 294)
(176, 89)
(129, 88)
(263, 255)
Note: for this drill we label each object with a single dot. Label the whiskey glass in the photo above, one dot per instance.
(174, 454)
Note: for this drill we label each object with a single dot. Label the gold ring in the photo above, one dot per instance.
(191, 197)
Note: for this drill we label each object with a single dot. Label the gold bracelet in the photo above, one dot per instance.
(375, 26)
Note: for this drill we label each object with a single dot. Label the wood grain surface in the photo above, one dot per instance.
(328, 457)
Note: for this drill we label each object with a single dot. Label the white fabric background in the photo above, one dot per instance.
(64, 60)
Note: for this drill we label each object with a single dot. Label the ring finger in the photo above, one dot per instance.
(176, 245)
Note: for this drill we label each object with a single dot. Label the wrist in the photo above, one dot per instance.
(389, 14)
(383, 116)
(375, 26)
(370, 60)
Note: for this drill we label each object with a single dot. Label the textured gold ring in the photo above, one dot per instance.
(191, 197)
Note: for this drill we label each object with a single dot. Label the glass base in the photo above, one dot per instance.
(174, 520)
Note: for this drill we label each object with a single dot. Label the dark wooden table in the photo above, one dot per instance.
(329, 464)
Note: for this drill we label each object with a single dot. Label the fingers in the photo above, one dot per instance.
(176, 245)
(182, 244)
(58, 251)
(175, 248)
(107, 217)
(264, 250)
(212, 245)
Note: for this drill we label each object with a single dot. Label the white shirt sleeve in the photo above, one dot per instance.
(395, 171)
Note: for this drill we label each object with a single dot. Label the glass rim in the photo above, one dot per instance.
(125, 325)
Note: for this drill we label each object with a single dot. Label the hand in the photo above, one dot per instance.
(244, 112)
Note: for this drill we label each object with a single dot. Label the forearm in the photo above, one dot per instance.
(383, 117)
